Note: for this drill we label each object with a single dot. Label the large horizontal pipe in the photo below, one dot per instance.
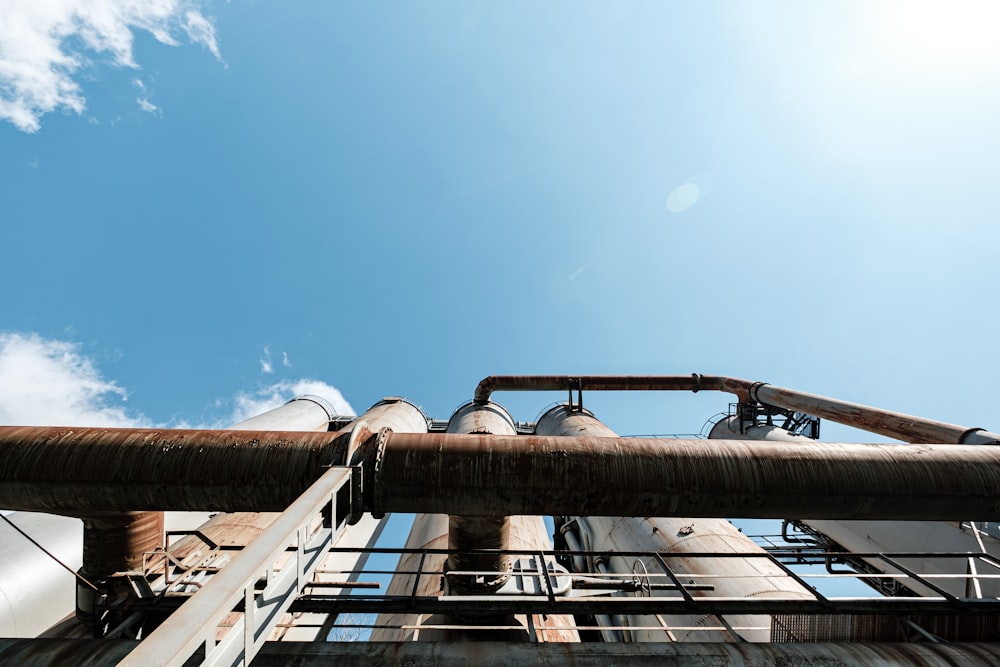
(492, 475)
(74, 470)
(884, 422)
(66, 470)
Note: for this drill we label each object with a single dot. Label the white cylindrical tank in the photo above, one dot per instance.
(35, 591)
(755, 577)
(439, 531)
(949, 574)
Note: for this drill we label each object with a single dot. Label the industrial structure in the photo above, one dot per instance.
(552, 542)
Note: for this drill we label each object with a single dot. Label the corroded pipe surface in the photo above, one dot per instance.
(492, 475)
(884, 422)
(890, 424)
(693, 382)
(83, 470)
(78, 471)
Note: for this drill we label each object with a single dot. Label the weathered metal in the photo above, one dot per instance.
(77, 471)
(693, 382)
(114, 542)
(884, 422)
(80, 471)
(100, 652)
(676, 538)
(419, 579)
(696, 478)
(468, 532)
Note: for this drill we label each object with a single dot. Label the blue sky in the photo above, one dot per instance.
(205, 204)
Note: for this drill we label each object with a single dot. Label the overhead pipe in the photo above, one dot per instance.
(55, 469)
(883, 422)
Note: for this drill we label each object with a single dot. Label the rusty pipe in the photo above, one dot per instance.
(493, 475)
(77, 471)
(693, 382)
(884, 422)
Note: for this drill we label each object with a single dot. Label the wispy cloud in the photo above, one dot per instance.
(47, 382)
(44, 45)
(284, 360)
(265, 361)
(148, 106)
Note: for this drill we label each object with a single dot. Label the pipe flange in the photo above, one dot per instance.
(374, 464)
(754, 388)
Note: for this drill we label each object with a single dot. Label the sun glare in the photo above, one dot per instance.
(962, 34)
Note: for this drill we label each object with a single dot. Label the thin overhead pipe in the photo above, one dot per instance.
(883, 422)
(71, 471)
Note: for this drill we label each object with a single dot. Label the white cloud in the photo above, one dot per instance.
(247, 405)
(147, 106)
(46, 382)
(43, 45)
(284, 360)
(265, 361)
(50, 383)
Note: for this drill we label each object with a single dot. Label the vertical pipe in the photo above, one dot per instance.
(749, 577)
(479, 532)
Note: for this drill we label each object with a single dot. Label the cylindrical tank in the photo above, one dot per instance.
(35, 591)
(439, 531)
(730, 577)
(303, 413)
(728, 428)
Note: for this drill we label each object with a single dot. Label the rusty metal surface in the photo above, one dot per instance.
(99, 652)
(84, 471)
(890, 424)
(693, 382)
(70, 470)
(884, 422)
(467, 533)
(115, 542)
(492, 475)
